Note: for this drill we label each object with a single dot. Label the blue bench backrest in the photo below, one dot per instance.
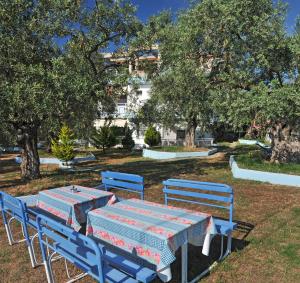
(123, 181)
(203, 193)
(16, 208)
(79, 249)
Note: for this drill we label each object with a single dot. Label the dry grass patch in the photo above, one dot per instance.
(266, 243)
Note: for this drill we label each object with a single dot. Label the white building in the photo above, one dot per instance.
(137, 97)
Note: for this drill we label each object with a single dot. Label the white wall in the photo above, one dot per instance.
(136, 101)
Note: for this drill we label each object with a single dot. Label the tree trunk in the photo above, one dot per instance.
(30, 166)
(49, 139)
(190, 133)
(254, 131)
(285, 143)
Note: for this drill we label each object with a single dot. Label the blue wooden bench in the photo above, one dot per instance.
(86, 254)
(207, 194)
(13, 208)
(123, 181)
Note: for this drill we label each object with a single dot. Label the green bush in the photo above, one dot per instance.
(63, 147)
(118, 132)
(104, 138)
(127, 141)
(152, 137)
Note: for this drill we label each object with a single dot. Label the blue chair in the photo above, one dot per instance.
(82, 251)
(207, 194)
(123, 181)
(15, 209)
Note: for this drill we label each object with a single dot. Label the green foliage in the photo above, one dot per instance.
(104, 137)
(255, 160)
(231, 61)
(118, 132)
(152, 136)
(63, 147)
(127, 140)
(43, 84)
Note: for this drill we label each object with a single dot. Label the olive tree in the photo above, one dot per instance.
(44, 84)
(229, 61)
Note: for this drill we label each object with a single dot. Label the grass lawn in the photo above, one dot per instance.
(253, 160)
(266, 245)
(178, 148)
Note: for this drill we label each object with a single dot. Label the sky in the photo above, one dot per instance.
(147, 8)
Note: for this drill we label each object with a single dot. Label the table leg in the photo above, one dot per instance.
(184, 263)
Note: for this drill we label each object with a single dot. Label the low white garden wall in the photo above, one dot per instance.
(253, 142)
(248, 142)
(53, 160)
(262, 176)
(170, 155)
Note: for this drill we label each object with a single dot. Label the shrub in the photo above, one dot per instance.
(152, 137)
(118, 132)
(63, 147)
(104, 138)
(127, 141)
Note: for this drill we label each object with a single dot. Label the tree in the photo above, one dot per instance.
(152, 136)
(258, 82)
(127, 141)
(63, 147)
(44, 84)
(104, 138)
(181, 84)
(230, 61)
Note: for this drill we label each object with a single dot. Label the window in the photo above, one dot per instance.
(121, 109)
(180, 134)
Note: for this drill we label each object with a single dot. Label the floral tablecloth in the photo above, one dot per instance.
(73, 205)
(150, 230)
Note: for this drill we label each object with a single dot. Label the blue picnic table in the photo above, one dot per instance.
(152, 231)
(72, 203)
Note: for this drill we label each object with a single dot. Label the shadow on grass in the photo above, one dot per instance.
(244, 228)
(8, 166)
(241, 149)
(197, 262)
(12, 183)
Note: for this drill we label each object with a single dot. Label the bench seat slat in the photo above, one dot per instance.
(142, 274)
(197, 185)
(113, 276)
(120, 184)
(122, 181)
(197, 202)
(211, 186)
(223, 226)
(198, 195)
(123, 176)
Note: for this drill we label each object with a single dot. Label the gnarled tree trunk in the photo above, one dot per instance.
(190, 133)
(285, 143)
(30, 166)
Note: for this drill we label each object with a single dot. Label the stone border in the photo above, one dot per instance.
(53, 160)
(262, 176)
(171, 155)
(248, 142)
(253, 142)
